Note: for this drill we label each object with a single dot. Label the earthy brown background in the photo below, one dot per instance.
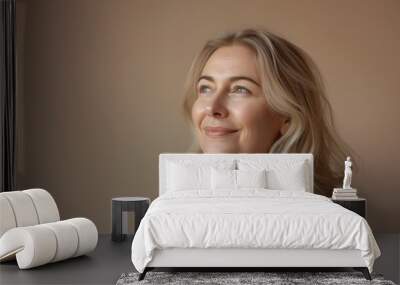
(100, 89)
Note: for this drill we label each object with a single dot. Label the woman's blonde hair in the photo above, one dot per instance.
(294, 88)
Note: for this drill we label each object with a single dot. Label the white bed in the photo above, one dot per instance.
(250, 226)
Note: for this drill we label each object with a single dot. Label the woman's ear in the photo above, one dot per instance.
(285, 126)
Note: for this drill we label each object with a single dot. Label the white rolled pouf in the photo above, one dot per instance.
(33, 246)
(67, 239)
(7, 218)
(46, 207)
(23, 208)
(87, 233)
(51, 242)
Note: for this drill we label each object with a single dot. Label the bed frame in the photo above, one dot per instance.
(244, 259)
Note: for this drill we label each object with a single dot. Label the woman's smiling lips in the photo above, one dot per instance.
(218, 131)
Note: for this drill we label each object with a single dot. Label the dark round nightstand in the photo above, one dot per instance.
(138, 205)
(358, 205)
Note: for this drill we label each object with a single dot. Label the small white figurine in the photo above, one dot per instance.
(347, 174)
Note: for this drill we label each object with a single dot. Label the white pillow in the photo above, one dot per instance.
(251, 178)
(281, 175)
(236, 179)
(223, 179)
(189, 175)
(294, 178)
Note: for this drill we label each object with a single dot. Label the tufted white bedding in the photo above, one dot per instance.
(250, 218)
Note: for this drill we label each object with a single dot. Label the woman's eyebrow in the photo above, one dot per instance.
(233, 78)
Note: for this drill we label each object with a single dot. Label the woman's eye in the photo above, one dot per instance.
(203, 89)
(241, 90)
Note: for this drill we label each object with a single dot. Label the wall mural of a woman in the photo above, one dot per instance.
(252, 91)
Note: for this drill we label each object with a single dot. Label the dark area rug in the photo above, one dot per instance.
(229, 278)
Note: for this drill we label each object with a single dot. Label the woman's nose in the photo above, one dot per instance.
(216, 107)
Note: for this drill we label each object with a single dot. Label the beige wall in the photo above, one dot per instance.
(100, 86)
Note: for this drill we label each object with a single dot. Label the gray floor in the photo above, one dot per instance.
(389, 262)
(103, 266)
(110, 260)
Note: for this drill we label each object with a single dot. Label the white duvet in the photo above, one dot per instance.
(250, 218)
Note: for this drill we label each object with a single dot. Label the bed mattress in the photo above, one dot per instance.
(250, 219)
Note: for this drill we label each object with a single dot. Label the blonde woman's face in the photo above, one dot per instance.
(231, 114)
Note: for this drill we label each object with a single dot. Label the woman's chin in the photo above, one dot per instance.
(220, 149)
